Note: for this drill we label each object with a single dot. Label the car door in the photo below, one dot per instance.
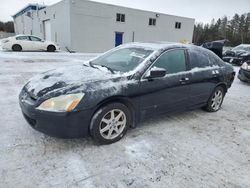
(24, 41)
(37, 43)
(206, 74)
(170, 92)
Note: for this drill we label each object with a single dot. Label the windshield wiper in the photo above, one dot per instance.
(94, 66)
(111, 70)
(91, 65)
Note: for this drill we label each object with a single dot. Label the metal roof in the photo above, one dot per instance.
(28, 8)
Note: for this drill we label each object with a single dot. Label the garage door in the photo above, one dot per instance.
(47, 30)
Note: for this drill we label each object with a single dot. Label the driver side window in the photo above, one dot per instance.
(173, 61)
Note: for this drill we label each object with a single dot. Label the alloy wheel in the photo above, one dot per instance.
(217, 100)
(112, 124)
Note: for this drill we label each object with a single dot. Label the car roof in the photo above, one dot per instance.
(157, 45)
(245, 45)
(25, 36)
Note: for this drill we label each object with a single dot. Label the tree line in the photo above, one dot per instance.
(235, 30)
(7, 27)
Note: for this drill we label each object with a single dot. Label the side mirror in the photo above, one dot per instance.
(157, 73)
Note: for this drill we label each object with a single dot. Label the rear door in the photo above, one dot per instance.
(205, 75)
(37, 43)
(169, 93)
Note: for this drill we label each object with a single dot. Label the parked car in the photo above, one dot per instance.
(238, 55)
(215, 46)
(244, 72)
(28, 43)
(115, 91)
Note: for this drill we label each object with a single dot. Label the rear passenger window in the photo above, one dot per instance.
(214, 59)
(199, 59)
(173, 61)
(35, 39)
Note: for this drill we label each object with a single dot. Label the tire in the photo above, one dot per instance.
(51, 48)
(17, 48)
(107, 130)
(216, 99)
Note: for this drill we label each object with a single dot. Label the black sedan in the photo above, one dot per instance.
(238, 55)
(244, 73)
(115, 91)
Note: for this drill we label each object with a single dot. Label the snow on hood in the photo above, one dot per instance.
(68, 76)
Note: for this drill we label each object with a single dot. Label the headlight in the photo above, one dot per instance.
(245, 66)
(64, 103)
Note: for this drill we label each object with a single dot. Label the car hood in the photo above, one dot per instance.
(67, 79)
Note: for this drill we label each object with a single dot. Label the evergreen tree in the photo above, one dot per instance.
(236, 30)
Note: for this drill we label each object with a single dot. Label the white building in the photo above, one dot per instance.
(88, 26)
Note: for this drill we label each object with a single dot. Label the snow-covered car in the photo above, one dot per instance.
(113, 92)
(28, 43)
(238, 55)
(244, 72)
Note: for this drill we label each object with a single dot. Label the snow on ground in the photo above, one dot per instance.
(189, 149)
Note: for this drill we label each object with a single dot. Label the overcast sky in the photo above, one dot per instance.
(201, 10)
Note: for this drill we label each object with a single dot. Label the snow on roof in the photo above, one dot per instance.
(155, 45)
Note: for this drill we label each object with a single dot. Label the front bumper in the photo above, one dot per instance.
(5, 46)
(61, 125)
(244, 75)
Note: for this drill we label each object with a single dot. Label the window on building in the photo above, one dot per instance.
(173, 61)
(177, 25)
(152, 21)
(120, 17)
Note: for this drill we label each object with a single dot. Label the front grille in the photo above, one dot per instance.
(31, 121)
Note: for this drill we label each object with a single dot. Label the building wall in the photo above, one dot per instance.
(59, 17)
(94, 25)
(23, 24)
(87, 26)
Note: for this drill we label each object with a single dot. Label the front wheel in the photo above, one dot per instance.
(110, 123)
(17, 48)
(51, 48)
(216, 99)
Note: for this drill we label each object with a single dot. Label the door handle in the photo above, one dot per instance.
(215, 73)
(184, 80)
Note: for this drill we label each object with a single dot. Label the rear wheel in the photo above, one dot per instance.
(216, 99)
(51, 48)
(16, 48)
(110, 123)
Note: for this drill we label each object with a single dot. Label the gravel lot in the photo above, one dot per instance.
(190, 149)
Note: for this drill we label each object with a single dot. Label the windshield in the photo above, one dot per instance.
(242, 48)
(123, 60)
